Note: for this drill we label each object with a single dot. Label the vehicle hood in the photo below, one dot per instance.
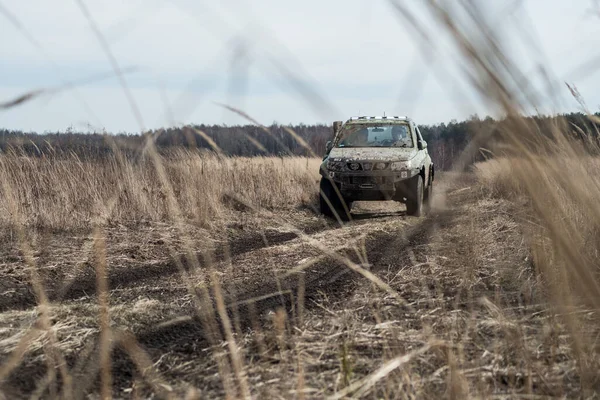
(373, 153)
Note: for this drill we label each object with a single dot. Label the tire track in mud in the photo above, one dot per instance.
(84, 285)
(132, 276)
(327, 276)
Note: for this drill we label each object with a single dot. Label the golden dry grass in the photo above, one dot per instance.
(557, 194)
(66, 193)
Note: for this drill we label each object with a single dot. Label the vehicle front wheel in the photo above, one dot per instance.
(414, 200)
(427, 197)
(331, 202)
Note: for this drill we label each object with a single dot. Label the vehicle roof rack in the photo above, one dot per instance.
(379, 117)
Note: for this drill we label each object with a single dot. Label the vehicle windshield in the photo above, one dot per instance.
(375, 135)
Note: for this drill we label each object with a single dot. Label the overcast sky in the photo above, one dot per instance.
(287, 61)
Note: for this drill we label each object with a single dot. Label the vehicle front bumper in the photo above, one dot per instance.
(372, 185)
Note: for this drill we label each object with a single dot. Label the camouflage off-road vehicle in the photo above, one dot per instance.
(376, 158)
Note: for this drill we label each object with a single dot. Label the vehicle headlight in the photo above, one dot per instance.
(400, 165)
(335, 165)
(380, 165)
(354, 166)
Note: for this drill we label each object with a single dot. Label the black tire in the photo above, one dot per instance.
(427, 196)
(414, 201)
(331, 202)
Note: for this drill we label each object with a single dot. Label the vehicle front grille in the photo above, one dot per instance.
(366, 180)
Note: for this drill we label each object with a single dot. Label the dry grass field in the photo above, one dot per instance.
(66, 193)
(219, 279)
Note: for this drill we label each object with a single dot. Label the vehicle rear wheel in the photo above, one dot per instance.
(331, 202)
(414, 200)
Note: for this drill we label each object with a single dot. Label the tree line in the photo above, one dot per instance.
(446, 141)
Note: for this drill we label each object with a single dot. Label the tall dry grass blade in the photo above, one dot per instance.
(70, 85)
(86, 369)
(209, 324)
(105, 347)
(19, 352)
(261, 126)
(301, 297)
(17, 24)
(300, 141)
(236, 358)
(21, 99)
(208, 139)
(143, 363)
(363, 385)
(457, 386)
(301, 385)
(113, 61)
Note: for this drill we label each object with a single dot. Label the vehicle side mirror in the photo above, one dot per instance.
(329, 146)
(422, 145)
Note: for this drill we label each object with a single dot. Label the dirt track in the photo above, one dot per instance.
(381, 238)
(253, 269)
